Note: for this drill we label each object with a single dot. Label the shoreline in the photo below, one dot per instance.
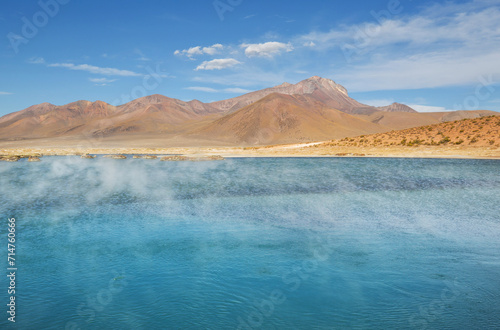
(306, 150)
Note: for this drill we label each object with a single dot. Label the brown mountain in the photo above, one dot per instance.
(311, 110)
(154, 114)
(396, 107)
(323, 90)
(47, 120)
(280, 118)
(150, 114)
(401, 120)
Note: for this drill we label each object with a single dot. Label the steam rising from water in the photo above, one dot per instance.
(417, 196)
(198, 244)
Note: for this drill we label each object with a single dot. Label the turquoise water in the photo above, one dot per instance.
(253, 243)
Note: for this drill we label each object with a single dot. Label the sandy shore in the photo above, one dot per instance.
(294, 150)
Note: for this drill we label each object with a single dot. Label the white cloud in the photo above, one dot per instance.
(190, 52)
(424, 29)
(268, 49)
(212, 50)
(237, 90)
(36, 60)
(422, 71)
(218, 64)
(6, 93)
(89, 68)
(427, 108)
(309, 44)
(102, 81)
(203, 89)
(96, 69)
(225, 90)
(198, 50)
(452, 45)
(377, 102)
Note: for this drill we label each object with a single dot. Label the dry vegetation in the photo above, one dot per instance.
(478, 132)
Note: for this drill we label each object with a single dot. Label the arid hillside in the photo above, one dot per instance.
(280, 118)
(480, 132)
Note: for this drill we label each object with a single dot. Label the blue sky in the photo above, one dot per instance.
(432, 55)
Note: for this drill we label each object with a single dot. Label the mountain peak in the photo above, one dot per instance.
(397, 107)
(328, 85)
(285, 84)
(321, 80)
(100, 103)
(322, 89)
(154, 99)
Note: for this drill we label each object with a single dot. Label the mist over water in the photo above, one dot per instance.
(277, 243)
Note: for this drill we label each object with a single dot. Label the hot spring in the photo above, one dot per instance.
(271, 243)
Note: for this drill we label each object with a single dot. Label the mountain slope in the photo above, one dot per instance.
(46, 120)
(150, 114)
(401, 120)
(479, 132)
(279, 118)
(323, 90)
(396, 107)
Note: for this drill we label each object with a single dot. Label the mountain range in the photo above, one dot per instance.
(314, 109)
